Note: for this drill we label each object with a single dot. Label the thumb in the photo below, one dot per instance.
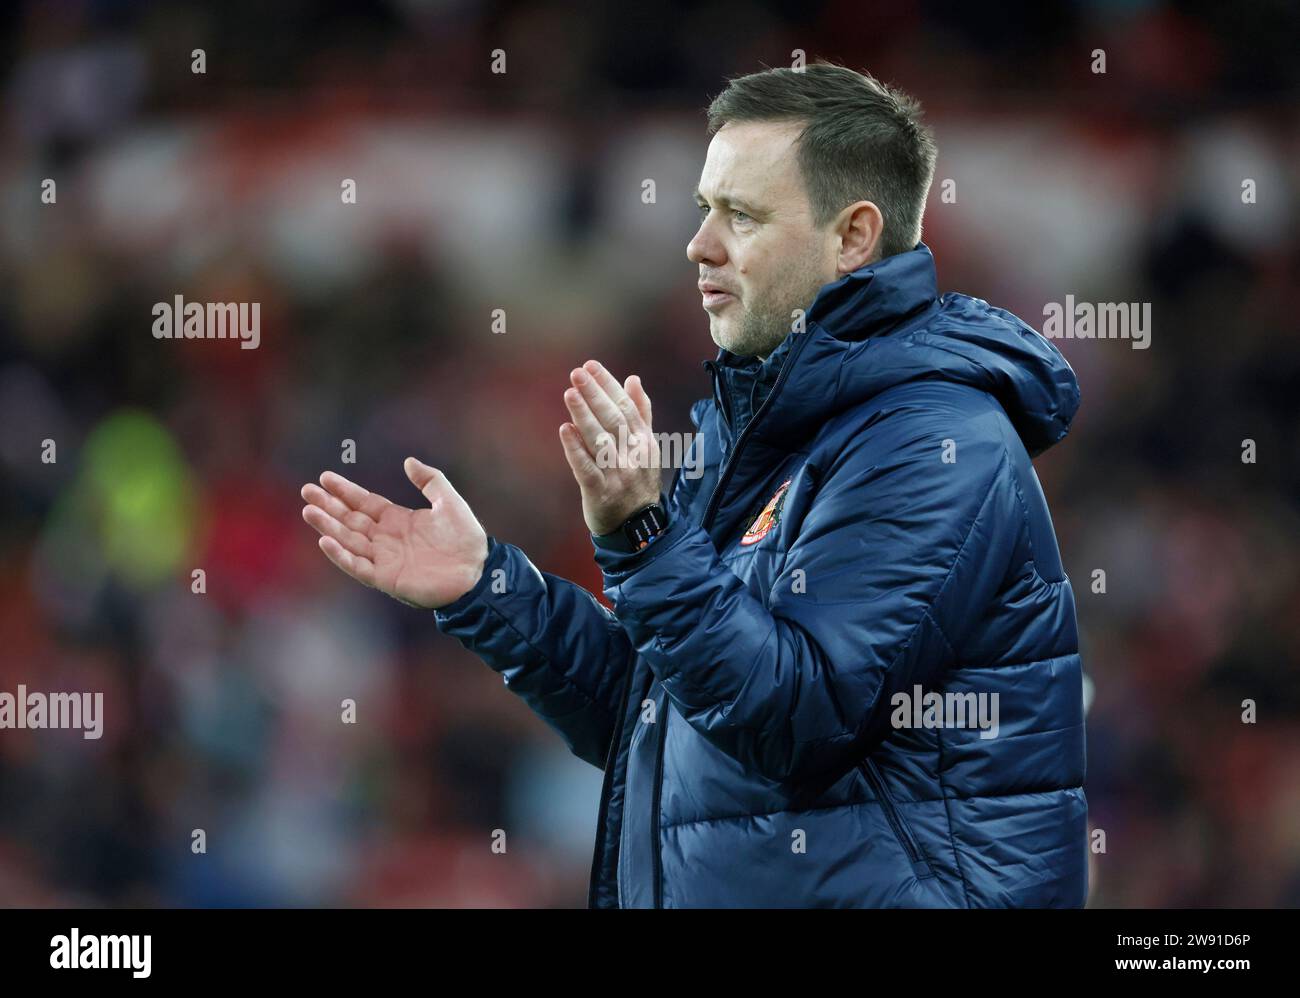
(425, 478)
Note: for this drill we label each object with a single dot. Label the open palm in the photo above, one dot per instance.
(423, 557)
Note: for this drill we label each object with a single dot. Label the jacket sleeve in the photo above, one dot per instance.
(896, 557)
(553, 643)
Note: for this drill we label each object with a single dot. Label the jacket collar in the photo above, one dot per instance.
(878, 298)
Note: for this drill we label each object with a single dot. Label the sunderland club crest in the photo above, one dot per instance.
(767, 519)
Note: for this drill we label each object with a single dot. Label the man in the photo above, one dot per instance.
(867, 539)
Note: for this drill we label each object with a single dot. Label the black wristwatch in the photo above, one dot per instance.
(638, 530)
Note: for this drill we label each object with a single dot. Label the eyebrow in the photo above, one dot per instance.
(732, 202)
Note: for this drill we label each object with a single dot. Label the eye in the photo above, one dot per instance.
(740, 216)
(703, 209)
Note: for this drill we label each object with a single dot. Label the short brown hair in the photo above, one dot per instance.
(862, 141)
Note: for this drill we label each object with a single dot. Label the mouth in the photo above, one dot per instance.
(714, 297)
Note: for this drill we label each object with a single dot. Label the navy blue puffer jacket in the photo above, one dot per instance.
(867, 528)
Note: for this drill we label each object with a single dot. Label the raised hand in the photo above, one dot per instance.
(610, 446)
(422, 557)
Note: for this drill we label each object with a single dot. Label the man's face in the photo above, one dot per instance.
(757, 242)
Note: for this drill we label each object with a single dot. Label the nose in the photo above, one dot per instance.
(705, 248)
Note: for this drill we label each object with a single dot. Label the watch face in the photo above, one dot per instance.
(645, 525)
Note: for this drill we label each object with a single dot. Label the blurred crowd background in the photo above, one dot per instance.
(523, 191)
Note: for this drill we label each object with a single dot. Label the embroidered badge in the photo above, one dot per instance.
(767, 519)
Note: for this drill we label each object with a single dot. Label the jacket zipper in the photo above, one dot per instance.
(607, 785)
(659, 782)
(709, 511)
(901, 831)
(712, 508)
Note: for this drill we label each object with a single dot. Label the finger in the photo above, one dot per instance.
(613, 390)
(587, 425)
(326, 525)
(431, 482)
(580, 462)
(636, 392)
(599, 400)
(370, 503)
(361, 569)
(336, 508)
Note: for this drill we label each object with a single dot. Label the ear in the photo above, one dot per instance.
(859, 227)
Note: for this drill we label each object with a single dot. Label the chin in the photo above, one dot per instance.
(723, 335)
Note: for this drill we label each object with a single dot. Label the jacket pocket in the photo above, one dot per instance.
(903, 833)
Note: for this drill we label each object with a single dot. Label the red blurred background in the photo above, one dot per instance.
(522, 191)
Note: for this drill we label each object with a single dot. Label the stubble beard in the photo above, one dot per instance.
(765, 324)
